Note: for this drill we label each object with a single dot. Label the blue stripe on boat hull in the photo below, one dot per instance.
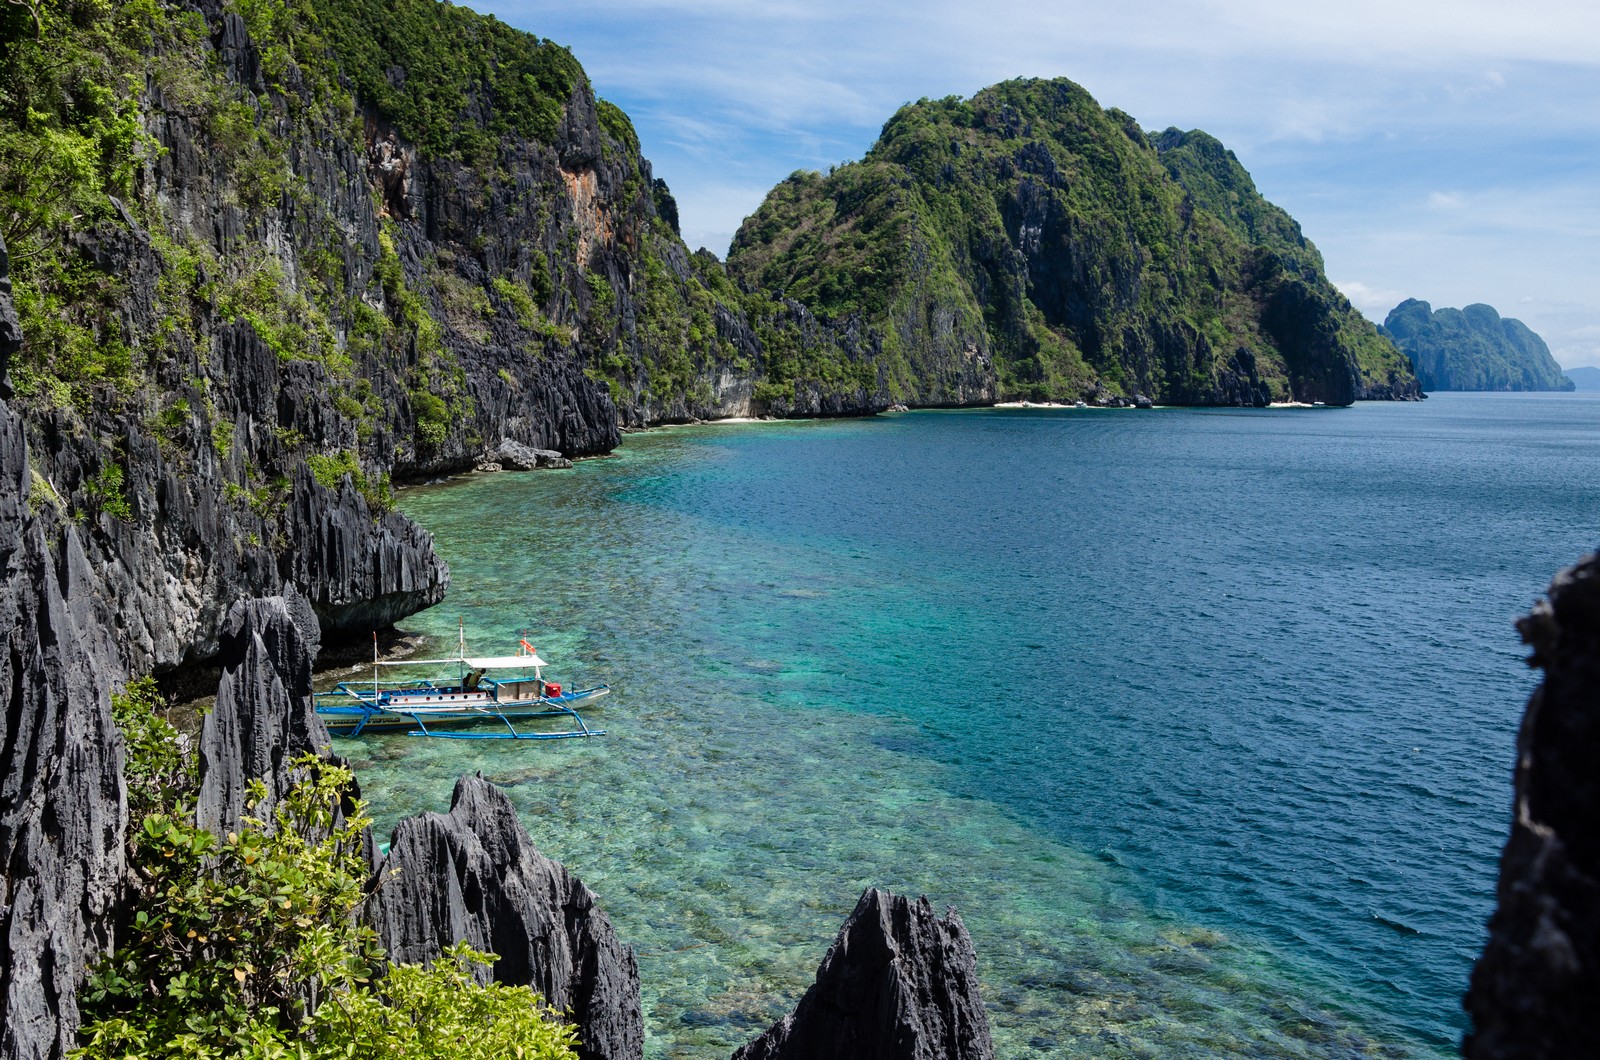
(431, 709)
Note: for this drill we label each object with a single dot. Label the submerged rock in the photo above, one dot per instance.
(898, 984)
(473, 874)
(1534, 987)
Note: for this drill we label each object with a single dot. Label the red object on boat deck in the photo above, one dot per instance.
(551, 688)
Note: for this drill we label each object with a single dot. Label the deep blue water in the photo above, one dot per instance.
(1203, 719)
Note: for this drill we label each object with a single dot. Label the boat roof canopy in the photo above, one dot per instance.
(506, 662)
(487, 662)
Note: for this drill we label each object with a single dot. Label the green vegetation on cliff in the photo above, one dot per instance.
(465, 81)
(250, 944)
(1472, 349)
(71, 142)
(1219, 185)
(198, 168)
(1029, 228)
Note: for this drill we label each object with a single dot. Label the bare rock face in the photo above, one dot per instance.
(898, 984)
(514, 456)
(264, 716)
(1534, 988)
(62, 809)
(473, 874)
(360, 572)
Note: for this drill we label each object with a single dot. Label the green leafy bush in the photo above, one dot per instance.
(156, 765)
(517, 297)
(106, 495)
(433, 418)
(605, 299)
(251, 945)
(222, 438)
(329, 470)
(615, 121)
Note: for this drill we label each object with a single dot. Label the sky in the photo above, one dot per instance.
(1447, 150)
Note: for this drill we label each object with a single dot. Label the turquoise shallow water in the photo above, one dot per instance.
(1203, 719)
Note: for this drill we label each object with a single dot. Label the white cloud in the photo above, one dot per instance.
(1375, 302)
(1424, 32)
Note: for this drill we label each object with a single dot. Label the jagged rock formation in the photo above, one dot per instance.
(361, 570)
(264, 717)
(62, 812)
(474, 874)
(1472, 349)
(1026, 243)
(898, 983)
(514, 456)
(1534, 987)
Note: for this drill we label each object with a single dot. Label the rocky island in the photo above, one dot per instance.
(1028, 244)
(1472, 349)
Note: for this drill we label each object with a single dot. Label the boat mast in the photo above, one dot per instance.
(525, 647)
(374, 667)
(461, 654)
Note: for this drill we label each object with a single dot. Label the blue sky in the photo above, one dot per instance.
(1448, 151)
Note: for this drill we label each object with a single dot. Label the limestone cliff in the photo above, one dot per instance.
(62, 810)
(1026, 243)
(1472, 349)
(473, 874)
(263, 274)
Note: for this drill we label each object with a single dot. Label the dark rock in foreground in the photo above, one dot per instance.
(898, 984)
(474, 874)
(361, 570)
(1534, 988)
(62, 811)
(264, 716)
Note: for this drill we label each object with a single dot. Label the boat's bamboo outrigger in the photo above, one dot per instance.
(517, 692)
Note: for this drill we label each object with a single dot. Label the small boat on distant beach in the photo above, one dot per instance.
(500, 691)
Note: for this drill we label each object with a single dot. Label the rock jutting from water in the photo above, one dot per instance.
(899, 983)
(512, 455)
(1105, 264)
(473, 874)
(1534, 987)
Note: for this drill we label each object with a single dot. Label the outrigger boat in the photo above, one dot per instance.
(516, 692)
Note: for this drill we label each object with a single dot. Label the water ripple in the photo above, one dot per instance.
(1203, 719)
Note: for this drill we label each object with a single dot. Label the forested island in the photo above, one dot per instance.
(1472, 349)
